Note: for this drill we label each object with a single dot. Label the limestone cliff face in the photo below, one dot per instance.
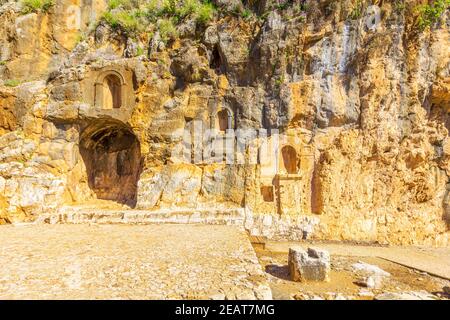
(360, 98)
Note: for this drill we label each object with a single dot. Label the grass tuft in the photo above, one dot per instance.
(431, 13)
(29, 6)
(11, 83)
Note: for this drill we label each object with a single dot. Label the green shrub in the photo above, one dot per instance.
(11, 83)
(167, 29)
(154, 9)
(80, 38)
(111, 19)
(357, 11)
(188, 7)
(246, 13)
(283, 5)
(205, 12)
(128, 21)
(125, 4)
(169, 7)
(140, 51)
(134, 16)
(399, 6)
(29, 6)
(431, 13)
(153, 5)
(114, 4)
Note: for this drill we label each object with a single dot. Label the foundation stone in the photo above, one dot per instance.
(310, 265)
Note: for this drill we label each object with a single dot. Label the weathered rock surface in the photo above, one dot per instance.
(365, 268)
(446, 290)
(372, 276)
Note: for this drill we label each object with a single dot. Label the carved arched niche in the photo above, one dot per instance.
(110, 90)
(223, 120)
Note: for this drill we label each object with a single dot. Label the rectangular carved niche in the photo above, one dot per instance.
(267, 193)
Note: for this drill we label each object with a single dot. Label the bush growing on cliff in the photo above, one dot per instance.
(399, 6)
(126, 4)
(431, 13)
(205, 13)
(201, 10)
(357, 10)
(129, 21)
(114, 4)
(29, 6)
(134, 16)
(167, 30)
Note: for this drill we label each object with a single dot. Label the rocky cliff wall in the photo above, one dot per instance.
(358, 88)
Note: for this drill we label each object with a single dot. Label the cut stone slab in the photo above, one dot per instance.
(129, 262)
(372, 276)
(366, 293)
(310, 265)
(372, 282)
(369, 269)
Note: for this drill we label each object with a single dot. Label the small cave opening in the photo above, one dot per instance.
(216, 61)
(112, 156)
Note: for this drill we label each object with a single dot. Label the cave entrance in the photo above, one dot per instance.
(215, 62)
(112, 155)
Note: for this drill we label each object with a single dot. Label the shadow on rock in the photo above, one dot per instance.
(278, 271)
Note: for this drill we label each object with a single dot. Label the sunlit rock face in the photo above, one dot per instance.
(337, 120)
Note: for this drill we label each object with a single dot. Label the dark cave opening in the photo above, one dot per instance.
(216, 61)
(112, 156)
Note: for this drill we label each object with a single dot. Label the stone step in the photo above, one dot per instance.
(74, 215)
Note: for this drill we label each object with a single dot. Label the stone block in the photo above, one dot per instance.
(372, 282)
(369, 269)
(310, 265)
(49, 130)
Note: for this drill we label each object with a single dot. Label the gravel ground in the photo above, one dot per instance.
(129, 262)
